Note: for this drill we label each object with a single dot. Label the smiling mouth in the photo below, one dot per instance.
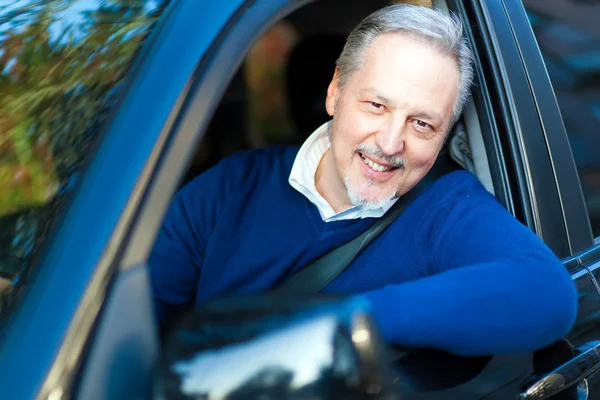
(374, 166)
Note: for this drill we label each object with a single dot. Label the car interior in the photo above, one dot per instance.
(277, 97)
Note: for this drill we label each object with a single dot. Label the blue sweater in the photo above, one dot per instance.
(455, 271)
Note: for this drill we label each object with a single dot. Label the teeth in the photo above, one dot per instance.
(374, 166)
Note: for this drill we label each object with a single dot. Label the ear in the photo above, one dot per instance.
(333, 93)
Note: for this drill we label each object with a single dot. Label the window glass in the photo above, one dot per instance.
(61, 63)
(568, 34)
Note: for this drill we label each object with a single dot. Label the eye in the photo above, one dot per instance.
(422, 125)
(375, 108)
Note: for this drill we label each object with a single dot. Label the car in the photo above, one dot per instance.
(107, 108)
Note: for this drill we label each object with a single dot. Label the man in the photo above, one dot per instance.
(455, 271)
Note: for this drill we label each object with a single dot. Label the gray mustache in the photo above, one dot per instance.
(374, 151)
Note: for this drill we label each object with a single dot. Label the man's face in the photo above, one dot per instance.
(390, 119)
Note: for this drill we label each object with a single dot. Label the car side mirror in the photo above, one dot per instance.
(274, 347)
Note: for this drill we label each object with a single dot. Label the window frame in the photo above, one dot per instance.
(49, 328)
(569, 187)
(513, 128)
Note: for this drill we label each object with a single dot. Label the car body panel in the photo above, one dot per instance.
(577, 222)
(52, 308)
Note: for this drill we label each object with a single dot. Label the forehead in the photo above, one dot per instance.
(399, 66)
(398, 47)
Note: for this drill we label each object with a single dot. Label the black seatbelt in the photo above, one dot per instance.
(318, 274)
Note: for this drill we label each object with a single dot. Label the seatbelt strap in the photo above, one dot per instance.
(318, 274)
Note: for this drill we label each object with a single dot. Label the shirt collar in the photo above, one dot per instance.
(302, 178)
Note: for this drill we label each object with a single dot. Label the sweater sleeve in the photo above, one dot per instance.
(498, 289)
(176, 259)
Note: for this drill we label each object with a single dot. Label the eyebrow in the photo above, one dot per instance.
(432, 117)
(378, 96)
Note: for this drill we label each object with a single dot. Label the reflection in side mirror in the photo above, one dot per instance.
(276, 348)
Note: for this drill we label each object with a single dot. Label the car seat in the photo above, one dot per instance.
(309, 70)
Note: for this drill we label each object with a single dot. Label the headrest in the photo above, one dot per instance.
(310, 67)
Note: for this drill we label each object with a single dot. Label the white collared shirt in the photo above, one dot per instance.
(302, 178)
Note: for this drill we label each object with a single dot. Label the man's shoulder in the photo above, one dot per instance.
(239, 174)
(248, 167)
(443, 197)
(460, 193)
(457, 184)
(264, 157)
(246, 163)
(455, 192)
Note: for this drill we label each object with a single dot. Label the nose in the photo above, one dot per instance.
(391, 136)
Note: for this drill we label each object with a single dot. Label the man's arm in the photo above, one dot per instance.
(499, 288)
(176, 260)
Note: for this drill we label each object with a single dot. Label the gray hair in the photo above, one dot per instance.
(443, 32)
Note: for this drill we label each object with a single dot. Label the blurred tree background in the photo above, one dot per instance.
(57, 79)
(61, 63)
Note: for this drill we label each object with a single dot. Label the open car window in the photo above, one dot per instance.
(61, 66)
(278, 95)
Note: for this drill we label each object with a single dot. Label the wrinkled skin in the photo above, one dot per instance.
(395, 111)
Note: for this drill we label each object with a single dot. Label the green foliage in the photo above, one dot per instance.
(41, 76)
(58, 79)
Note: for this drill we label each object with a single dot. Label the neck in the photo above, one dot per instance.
(330, 186)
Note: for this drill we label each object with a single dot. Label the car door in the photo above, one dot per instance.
(567, 38)
(140, 57)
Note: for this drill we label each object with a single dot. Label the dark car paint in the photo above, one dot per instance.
(47, 337)
(577, 222)
(48, 329)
